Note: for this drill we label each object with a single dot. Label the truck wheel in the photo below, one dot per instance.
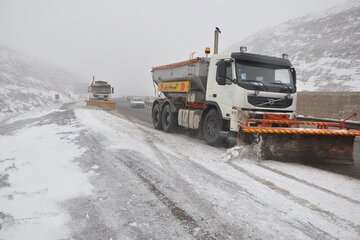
(211, 128)
(156, 117)
(168, 119)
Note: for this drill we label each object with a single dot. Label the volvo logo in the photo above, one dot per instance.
(272, 101)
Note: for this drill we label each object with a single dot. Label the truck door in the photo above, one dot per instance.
(221, 88)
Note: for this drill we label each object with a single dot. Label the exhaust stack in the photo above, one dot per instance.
(216, 40)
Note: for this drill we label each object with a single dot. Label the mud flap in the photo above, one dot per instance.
(307, 148)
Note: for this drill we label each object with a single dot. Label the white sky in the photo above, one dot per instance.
(120, 40)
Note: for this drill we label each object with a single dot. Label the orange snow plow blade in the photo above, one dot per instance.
(104, 104)
(293, 140)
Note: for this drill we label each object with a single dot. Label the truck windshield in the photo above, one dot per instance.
(265, 75)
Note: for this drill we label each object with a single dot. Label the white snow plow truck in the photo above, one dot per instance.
(100, 95)
(248, 96)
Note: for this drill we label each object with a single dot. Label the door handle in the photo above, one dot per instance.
(214, 95)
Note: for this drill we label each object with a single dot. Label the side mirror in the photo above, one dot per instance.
(112, 90)
(221, 72)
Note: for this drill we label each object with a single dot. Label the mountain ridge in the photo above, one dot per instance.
(27, 83)
(324, 47)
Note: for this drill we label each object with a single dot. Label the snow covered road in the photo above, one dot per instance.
(133, 182)
(37, 173)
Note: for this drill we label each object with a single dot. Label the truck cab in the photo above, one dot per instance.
(242, 84)
(100, 90)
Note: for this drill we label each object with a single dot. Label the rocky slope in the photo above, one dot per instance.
(324, 47)
(26, 83)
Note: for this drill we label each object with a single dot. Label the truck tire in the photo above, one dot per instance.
(211, 128)
(168, 119)
(156, 116)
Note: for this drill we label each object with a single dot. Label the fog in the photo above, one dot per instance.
(119, 41)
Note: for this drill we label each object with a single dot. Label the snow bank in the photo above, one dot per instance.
(39, 163)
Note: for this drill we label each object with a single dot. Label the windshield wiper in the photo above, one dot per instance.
(283, 84)
(253, 81)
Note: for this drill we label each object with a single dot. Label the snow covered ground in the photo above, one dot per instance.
(260, 200)
(89, 174)
(27, 84)
(38, 172)
(35, 113)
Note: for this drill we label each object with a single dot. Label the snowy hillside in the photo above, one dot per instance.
(26, 84)
(325, 47)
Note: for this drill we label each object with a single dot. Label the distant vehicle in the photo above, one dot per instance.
(137, 103)
(100, 90)
(100, 95)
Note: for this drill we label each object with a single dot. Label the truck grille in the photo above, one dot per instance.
(269, 102)
(101, 89)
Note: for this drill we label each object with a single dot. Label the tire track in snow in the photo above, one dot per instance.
(311, 231)
(341, 222)
(225, 183)
(307, 229)
(186, 188)
(122, 200)
(309, 184)
(185, 219)
(217, 179)
(182, 184)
